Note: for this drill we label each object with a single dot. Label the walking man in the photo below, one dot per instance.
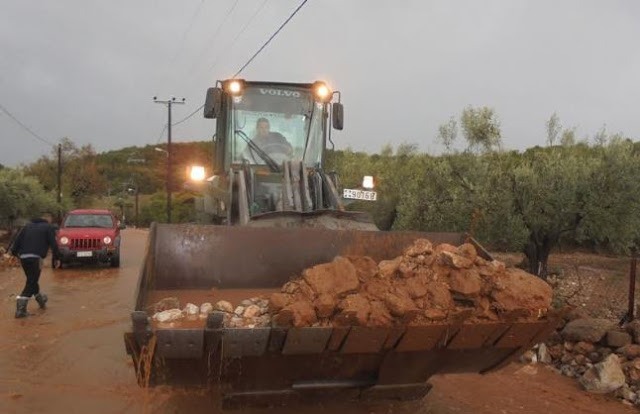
(31, 246)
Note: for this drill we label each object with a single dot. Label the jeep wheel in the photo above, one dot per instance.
(115, 259)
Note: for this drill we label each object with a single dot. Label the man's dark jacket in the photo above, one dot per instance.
(36, 238)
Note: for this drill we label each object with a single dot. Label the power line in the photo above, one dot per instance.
(213, 39)
(230, 45)
(271, 38)
(26, 128)
(188, 116)
(186, 32)
(255, 54)
(164, 128)
(233, 42)
(217, 32)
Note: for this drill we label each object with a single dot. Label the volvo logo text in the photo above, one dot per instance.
(280, 92)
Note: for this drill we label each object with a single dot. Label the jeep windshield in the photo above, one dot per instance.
(88, 220)
(284, 123)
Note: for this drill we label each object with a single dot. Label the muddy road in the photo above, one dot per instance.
(71, 359)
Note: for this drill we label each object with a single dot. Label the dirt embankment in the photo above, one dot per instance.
(426, 284)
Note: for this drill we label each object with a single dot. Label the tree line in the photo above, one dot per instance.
(577, 192)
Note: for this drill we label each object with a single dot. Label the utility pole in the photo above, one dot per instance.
(168, 103)
(59, 183)
(137, 192)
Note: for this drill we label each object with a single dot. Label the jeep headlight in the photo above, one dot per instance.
(107, 240)
(64, 240)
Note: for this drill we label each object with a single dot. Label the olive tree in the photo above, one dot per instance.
(481, 128)
(554, 128)
(21, 197)
(581, 192)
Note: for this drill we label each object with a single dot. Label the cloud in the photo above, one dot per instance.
(88, 70)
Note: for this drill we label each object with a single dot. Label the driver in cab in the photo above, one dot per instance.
(269, 142)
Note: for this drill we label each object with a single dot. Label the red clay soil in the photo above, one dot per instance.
(425, 285)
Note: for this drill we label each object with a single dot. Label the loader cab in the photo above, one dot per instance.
(270, 144)
(266, 123)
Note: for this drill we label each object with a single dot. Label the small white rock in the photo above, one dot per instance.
(264, 320)
(239, 310)
(543, 354)
(236, 322)
(191, 309)
(252, 311)
(224, 306)
(168, 315)
(567, 370)
(206, 308)
(626, 393)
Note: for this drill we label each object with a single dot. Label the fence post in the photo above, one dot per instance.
(632, 286)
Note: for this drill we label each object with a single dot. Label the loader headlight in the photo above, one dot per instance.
(64, 240)
(322, 92)
(234, 87)
(197, 173)
(367, 182)
(107, 240)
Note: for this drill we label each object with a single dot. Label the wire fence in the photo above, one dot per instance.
(596, 283)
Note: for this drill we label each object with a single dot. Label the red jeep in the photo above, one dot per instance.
(89, 236)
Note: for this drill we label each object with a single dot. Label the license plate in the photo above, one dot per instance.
(84, 254)
(360, 194)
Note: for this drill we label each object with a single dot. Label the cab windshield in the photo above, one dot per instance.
(276, 124)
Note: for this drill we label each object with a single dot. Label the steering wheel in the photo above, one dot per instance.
(279, 152)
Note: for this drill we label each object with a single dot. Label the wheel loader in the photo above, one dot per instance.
(275, 211)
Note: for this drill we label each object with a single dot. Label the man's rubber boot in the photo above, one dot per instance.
(42, 300)
(21, 307)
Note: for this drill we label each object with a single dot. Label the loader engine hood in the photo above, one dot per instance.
(320, 219)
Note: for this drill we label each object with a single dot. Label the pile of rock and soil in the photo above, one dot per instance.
(427, 284)
(602, 356)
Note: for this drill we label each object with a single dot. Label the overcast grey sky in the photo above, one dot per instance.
(89, 69)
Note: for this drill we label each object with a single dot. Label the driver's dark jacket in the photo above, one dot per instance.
(36, 238)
